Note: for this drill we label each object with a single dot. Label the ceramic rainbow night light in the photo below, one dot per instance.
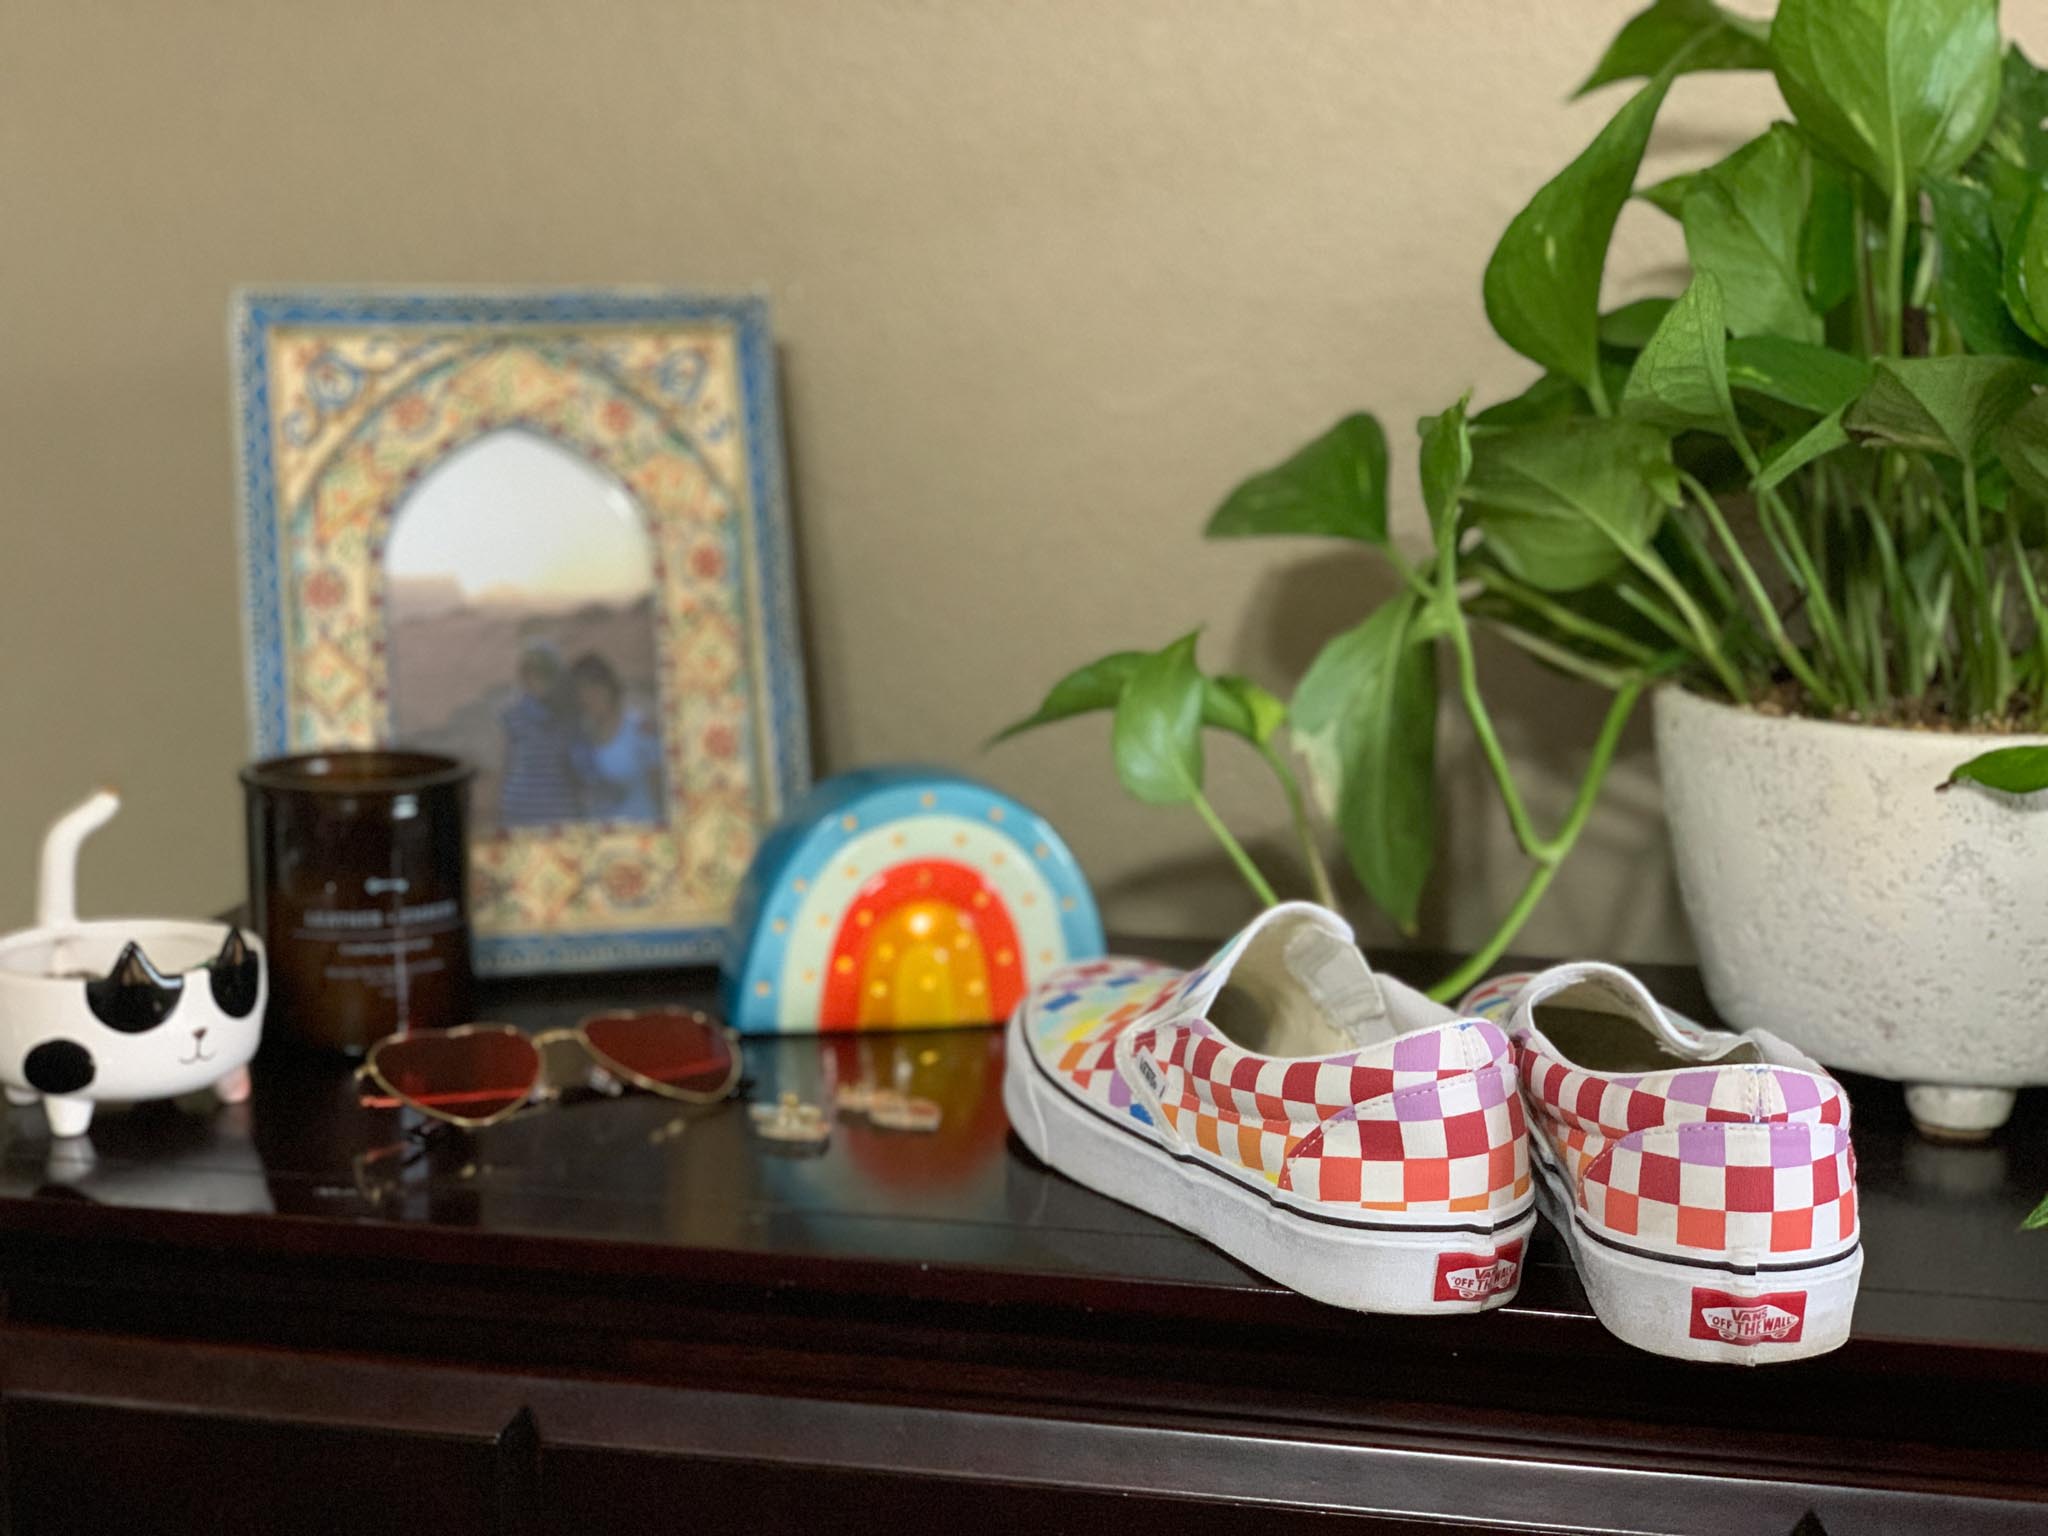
(895, 897)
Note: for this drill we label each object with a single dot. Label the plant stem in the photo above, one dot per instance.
(1646, 561)
(1557, 656)
(1766, 610)
(1489, 740)
(1703, 561)
(1820, 609)
(1906, 615)
(1566, 619)
(1895, 273)
(1474, 970)
(1647, 606)
(1409, 574)
(1304, 829)
(1231, 846)
(1993, 672)
(1865, 599)
(1973, 520)
(2031, 591)
(1975, 600)
(1567, 836)
(1866, 328)
(1596, 391)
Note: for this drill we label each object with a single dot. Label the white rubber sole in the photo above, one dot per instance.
(1416, 1269)
(1696, 1312)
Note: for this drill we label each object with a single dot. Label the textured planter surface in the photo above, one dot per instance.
(1840, 902)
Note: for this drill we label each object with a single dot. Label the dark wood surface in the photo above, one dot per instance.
(609, 1314)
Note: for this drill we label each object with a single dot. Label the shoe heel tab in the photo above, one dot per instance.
(1132, 1055)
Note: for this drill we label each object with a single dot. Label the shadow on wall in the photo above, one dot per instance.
(813, 639)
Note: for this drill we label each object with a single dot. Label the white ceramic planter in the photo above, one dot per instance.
(1839, 901)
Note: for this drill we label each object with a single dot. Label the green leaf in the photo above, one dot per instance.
(1364, 721)
(2016, 770)
(1630, 326)
(1794, 454)
(1827, 242)
(1561, 502)
(1335, 485)
(1553, 397)
(1744, 219)
(2016, 135)
(1234, 704)
(1157, 735)
(1898, 88)
(1668, 195)
(2023, 448)
(1944, 405)
(2012, 192)
(1242, 707)
(1098, 685)
(1446, 461)
(2012, 163)
(1707, 36)
(1543, 282)
(2025, 279)
(2037, 1217)
(1816, 379)
(1971, 280)
(1680, 382)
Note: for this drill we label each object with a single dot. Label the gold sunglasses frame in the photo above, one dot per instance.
(540, 1091)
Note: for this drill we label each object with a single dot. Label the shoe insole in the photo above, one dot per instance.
(1298, 990)
(1611, 1042)
(1272, 1017)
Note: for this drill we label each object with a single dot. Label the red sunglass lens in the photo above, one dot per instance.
(472, 1075)
(675, 1048)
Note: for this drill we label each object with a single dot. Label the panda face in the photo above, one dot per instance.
(137, 1029)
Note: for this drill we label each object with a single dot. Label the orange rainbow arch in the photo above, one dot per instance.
(896, 898)
(924, 943)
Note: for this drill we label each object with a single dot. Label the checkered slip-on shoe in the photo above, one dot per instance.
(1704, 1180)
(1331, 1129)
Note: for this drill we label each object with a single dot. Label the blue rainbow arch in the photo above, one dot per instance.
(901, 896)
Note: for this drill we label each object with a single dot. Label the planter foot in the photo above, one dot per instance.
(1944, 1113)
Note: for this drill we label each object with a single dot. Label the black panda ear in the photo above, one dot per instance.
(59, 1067)
(134, 997)
(234, 976)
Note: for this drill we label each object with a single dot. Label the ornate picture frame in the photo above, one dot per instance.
(543, 530)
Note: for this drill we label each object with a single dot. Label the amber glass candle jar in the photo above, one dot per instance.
(359, 885)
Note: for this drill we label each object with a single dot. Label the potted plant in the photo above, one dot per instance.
(2012, 771)
(1803, 502)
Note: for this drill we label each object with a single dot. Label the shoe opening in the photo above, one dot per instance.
(1300, 989)
(1597, 1024)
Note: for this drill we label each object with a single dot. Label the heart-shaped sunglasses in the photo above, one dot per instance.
(478, 1074)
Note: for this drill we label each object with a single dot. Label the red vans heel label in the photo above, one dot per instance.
(1774, 1319)
(1476, 1276)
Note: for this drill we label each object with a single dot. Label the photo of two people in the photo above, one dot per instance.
(520, 595)
(576, 749)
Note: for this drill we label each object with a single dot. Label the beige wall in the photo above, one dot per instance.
(1048, 275)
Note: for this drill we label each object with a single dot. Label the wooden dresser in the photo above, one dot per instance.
(591, 1320)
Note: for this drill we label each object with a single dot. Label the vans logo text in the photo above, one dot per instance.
(1778, 1318)
(1476, 1276)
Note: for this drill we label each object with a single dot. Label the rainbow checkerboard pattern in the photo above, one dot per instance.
(1709, 1158)
(1429, 1122)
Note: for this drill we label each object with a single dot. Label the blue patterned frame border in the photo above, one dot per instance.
(254, 312)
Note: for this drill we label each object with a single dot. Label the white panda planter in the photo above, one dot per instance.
(124, 1008)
